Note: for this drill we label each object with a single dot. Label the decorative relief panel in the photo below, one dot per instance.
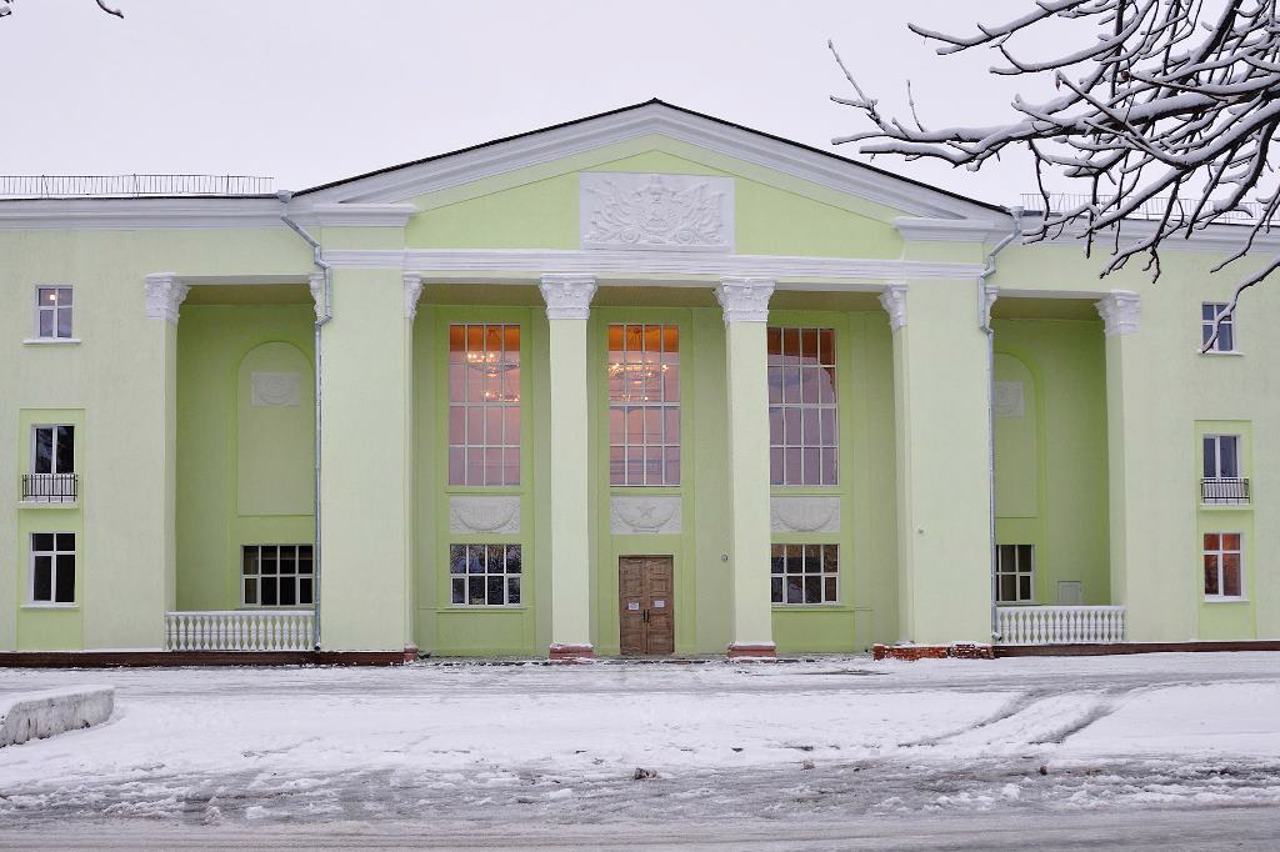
(621, 210)
(805, 514)
(645, 515)
(1010, 400)
(484, 514)
(275, 389)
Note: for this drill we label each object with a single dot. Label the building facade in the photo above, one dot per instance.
(644, 383)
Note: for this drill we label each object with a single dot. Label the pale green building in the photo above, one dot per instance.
(643, 383)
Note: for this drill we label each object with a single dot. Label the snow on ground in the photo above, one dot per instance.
(501, 744)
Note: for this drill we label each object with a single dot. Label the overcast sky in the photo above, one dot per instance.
(309, 91)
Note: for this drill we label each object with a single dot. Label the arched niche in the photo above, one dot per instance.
(1017, 432)
(275, 432)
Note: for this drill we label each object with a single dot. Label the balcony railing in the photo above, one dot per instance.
(1060, 625)
(1245, 212)
(240, 630)
(50, 487)
(1221, 490)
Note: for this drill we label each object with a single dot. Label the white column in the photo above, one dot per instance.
(568, 300)
(746, 313)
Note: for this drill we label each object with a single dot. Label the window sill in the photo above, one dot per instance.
(51, 341)
(811, 607)
(482, 608)
(1243, 506)
(51, 606)
(1222, 599)
(48, 504)
(1228, 353)
(1031, 604)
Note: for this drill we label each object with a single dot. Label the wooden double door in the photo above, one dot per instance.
(646, 610)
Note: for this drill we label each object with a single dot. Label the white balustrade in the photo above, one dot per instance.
(240, 630)
(1059, 625)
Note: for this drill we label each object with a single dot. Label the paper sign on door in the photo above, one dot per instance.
(659, 604)
(633, 607)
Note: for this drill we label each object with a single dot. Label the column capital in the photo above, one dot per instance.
(315, 283)
(568, 296)
(745, 299)
(165, 292)
(990, 293)
(412, 292)
(894, 301)
(1120, 311)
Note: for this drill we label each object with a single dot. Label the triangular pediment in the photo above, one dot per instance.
(587, 144)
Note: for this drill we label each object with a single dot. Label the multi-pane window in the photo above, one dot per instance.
(804, 437)
(53, 568)
(805, 573)
(484, 404)
(1226, 340)
(53, 312)
(1223, 565)
(278, 574)
(1015, 577)
(484, 574)
(644, 404)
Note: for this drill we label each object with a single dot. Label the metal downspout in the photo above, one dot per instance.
(324, 313)
(984, 323)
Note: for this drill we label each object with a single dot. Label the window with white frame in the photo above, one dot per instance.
(484, 404)
(53, 449)
(53, 313)
(1223, 482)
(53, 568)
(485, 574)
(804, 436)
(644, 404)
(1015, 573)
(277, 575)
(805, 573)
(1214, 314)
(1223, 565)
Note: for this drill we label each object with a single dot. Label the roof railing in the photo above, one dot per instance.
(131, 186)
(1153, 208)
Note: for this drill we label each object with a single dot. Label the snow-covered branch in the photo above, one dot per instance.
(1168, 106)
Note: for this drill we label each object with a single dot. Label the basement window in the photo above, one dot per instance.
(1015, 573)
(277, 575)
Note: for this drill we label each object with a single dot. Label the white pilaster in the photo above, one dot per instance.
(746, 313)
(568, 299)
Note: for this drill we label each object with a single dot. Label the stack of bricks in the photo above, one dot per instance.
(911, 653)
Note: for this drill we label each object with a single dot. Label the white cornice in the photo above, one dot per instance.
(432, 262)
(951, 230)
(556, 143)
(356, 214)
(138, 213)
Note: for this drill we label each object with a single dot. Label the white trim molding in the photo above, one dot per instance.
(568, 296)
(530, 263)
(412, 292)
(165, 293)
(894, 301)
(357, 215)
(1120, 311)
(923, 229)
(745, 299)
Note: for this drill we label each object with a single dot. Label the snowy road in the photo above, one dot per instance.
(834, 745)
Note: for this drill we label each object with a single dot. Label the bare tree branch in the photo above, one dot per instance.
(1165, 109)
